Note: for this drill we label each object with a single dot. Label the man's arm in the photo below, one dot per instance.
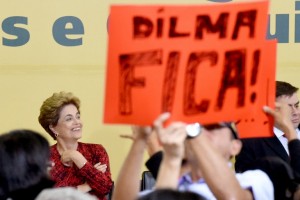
(294, 149)
(215, 170)
(282, 120)
(128, 182)
(172, 139)
(281, 115)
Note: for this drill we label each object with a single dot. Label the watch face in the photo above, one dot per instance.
(193, 129)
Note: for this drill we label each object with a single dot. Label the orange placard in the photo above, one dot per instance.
(257, 123)
(202, 63)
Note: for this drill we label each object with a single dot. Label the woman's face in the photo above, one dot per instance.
(69, 125)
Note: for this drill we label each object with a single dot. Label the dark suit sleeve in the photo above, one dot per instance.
(246, 158)
(153, 163)
(294, 149)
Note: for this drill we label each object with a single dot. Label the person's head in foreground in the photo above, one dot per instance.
(24, 164)
(224, 137)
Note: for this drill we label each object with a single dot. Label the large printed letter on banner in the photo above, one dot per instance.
(202, 63)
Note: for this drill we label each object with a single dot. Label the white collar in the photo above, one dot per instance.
(278, 132)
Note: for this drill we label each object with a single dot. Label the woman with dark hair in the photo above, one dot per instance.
(80, 165)
(24, 160)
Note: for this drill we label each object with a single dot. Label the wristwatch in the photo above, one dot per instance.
(193, 130)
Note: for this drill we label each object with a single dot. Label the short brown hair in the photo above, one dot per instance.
(51, 108)
(285, 89)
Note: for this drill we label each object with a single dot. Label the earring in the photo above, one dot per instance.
(56, 134)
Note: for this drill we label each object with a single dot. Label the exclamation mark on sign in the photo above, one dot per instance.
(254, 73)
